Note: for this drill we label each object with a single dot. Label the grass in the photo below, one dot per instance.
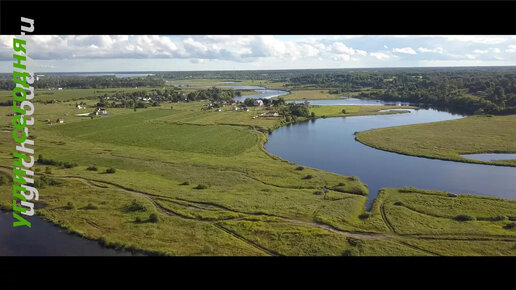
(449, 139)
(251, 203)
(299, 94)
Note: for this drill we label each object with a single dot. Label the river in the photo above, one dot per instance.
(46, 239)
(329, 144)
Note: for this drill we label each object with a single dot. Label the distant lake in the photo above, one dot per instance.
(263, 93)
(490, 156)
(353, 101)
(329, 144)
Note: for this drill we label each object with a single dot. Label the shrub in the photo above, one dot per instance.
(510, 226)
(70, 205)
(343, 111)
(300, 168)
(398, 203)
(269, 131)
(137, 220)
(201, 186)
(312, 115)
(48, 170)
(512, 218)
(185, 183)
(323, 116)
(91, 206)
(318, 192)
(341, 184)
(354, 242)
(364, 216)
(308, 177)
(135, 206)
(463, 218)
(92, 168)
(347, 253)
(3, 179)
(110, 170)
(153, 218)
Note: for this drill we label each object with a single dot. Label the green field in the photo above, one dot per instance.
(449, 139)
(216, 191)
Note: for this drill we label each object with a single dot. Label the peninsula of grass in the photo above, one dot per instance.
(449, 139)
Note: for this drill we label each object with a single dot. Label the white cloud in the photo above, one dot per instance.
(407, 50)
(480, 51)
(483, 39)
(511, 49)
(439, 50)
(380, 55)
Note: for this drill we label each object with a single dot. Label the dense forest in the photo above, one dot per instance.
(472, 90)
(88, 82)
(469, 91)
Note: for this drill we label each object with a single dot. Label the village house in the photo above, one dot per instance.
(60, 121)
(258, 103)
(218, 110)
(245, 109)
(307, 103)
(235, 108)
(271, 114)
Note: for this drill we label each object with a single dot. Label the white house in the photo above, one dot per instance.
(258, 103)
(307, 103)
(218, 110)
(235, 108)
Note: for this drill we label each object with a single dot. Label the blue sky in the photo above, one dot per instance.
(69, 53)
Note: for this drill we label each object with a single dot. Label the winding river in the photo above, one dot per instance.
(329, 144)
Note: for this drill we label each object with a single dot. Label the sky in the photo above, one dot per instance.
(108, 53)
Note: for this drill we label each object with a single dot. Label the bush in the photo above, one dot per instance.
(347, 253)
(510, 226)
(341, 184)
(70, 205)
(318, 192)
(512, 218)
(135, 206)
(343, 111)
(312, 115)
(48, 170)
(201, 186)
(110, 170)
(354, 242)
(300, 168)
(364, 216)
(3, 179)
(185, 183)
(153, 218)
(137, 220)
(463, 218)
(398, 203)
(91, 206)
(308, 177)
(92, 168)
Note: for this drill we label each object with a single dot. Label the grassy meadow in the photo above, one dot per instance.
(195, 182)
(449, 139)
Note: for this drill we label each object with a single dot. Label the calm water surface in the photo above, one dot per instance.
(329, 144)
(490, 156)
(46, 239)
